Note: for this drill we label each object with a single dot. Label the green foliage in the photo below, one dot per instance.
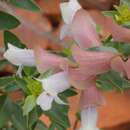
(46, 74)
(24, 114)
(121, 14)
(26, 4)
(11, 38)
(122, 48)
(30, 103)
(112, 80)
(12, 117)
(34, 86)
(8, 21)
(57, 121)
(3, 114)
(30, 71)
(41, 126)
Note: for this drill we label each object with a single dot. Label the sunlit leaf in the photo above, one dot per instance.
(30, 103)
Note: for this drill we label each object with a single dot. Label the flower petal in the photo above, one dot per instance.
(45, 101)
(117, 64)
(91, 96)
(56, 83)
(80, 79)
(68, 10)
(92, 63)
(18, 56)
(65, 31)
(89, 119)
(45, 60)
(83, 30)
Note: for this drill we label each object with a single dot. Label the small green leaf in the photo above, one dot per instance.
(11, 38)
(30, 103)
(8, 21)
(34, 86)
(26, 4)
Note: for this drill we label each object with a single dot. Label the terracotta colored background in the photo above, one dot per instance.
(115, 115)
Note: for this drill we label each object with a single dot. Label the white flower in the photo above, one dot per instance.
(53, 85)
(18, 56)
(89, 119)
(68, 10)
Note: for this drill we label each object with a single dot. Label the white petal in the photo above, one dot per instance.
(68, 10)
(19, 71)
(89, 119)
(45, 101)
(18, 56)
(65, 31)
(56, 83)
(59, 101)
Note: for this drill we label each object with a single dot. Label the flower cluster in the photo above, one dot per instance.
(79, 71)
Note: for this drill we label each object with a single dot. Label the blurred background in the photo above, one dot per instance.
(43, 28)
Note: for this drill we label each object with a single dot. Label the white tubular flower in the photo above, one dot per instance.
(53, 85)
(89, 119)
(18, 56)
(68, 10)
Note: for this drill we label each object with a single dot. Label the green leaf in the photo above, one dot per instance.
(41, 126)
(21, 83)
(55, 126)
(112, 80)
(4, 117)
(69, 92)
(26, 4)
(12, 87)
(53, 114)
(111, 13)
(103, 49)
(34, 116)
(4, 81)
(17, 118)
(122, 48)
(9, 84)
(11, 38)
(46, 74)
(30, 71)
(8, 21)
(30, 103)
